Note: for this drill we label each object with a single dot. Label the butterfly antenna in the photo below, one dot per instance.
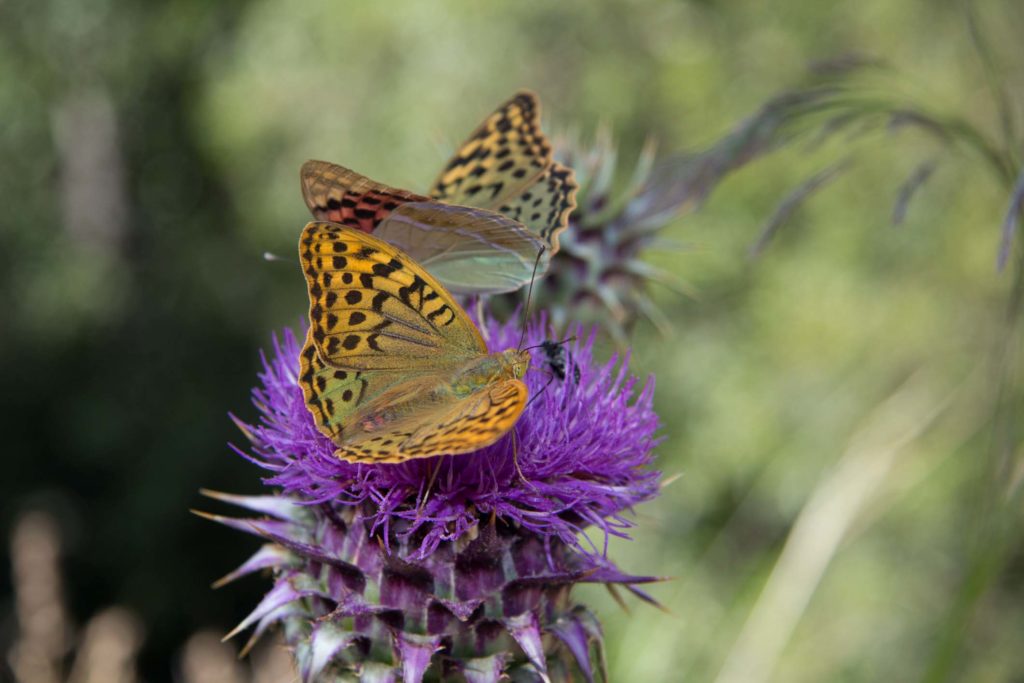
(529, 297)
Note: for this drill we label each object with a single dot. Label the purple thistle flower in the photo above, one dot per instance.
(454, 564)
(581, 449)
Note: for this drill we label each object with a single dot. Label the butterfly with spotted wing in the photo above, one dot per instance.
(392, 367)
(499, 202)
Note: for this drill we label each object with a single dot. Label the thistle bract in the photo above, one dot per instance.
(450, 568)
(600, 275)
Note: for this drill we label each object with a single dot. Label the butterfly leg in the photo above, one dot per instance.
(515, 461)
(430, 484)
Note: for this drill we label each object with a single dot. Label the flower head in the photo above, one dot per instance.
(458, 565)
(577, 457)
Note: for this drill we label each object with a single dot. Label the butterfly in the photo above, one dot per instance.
(498, 203)
(392, 367)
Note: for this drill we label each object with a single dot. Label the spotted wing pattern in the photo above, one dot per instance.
(501, 158)
(331, 394)
(372, 306)
(336, 194)
(545, 206)
(506, 166)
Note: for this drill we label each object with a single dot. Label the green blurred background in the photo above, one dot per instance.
(843, 410)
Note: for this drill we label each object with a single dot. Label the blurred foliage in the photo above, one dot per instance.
(844, 409)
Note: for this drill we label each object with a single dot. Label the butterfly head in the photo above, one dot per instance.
(515, 362)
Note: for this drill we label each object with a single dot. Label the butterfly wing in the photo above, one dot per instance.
(345, 405)
(377, 320)
(339, 195)
(472, 251)
(332, 394)
(446, 427)
(545, 206)
(500, 159)
(506, 166)
(372, 307)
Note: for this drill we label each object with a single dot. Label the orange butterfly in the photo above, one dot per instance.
(392, 367)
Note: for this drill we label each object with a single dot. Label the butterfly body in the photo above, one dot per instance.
(393, 368)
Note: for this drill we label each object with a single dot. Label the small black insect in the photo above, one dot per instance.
(558, 359)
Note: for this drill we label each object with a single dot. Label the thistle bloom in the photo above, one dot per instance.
(459, 566)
